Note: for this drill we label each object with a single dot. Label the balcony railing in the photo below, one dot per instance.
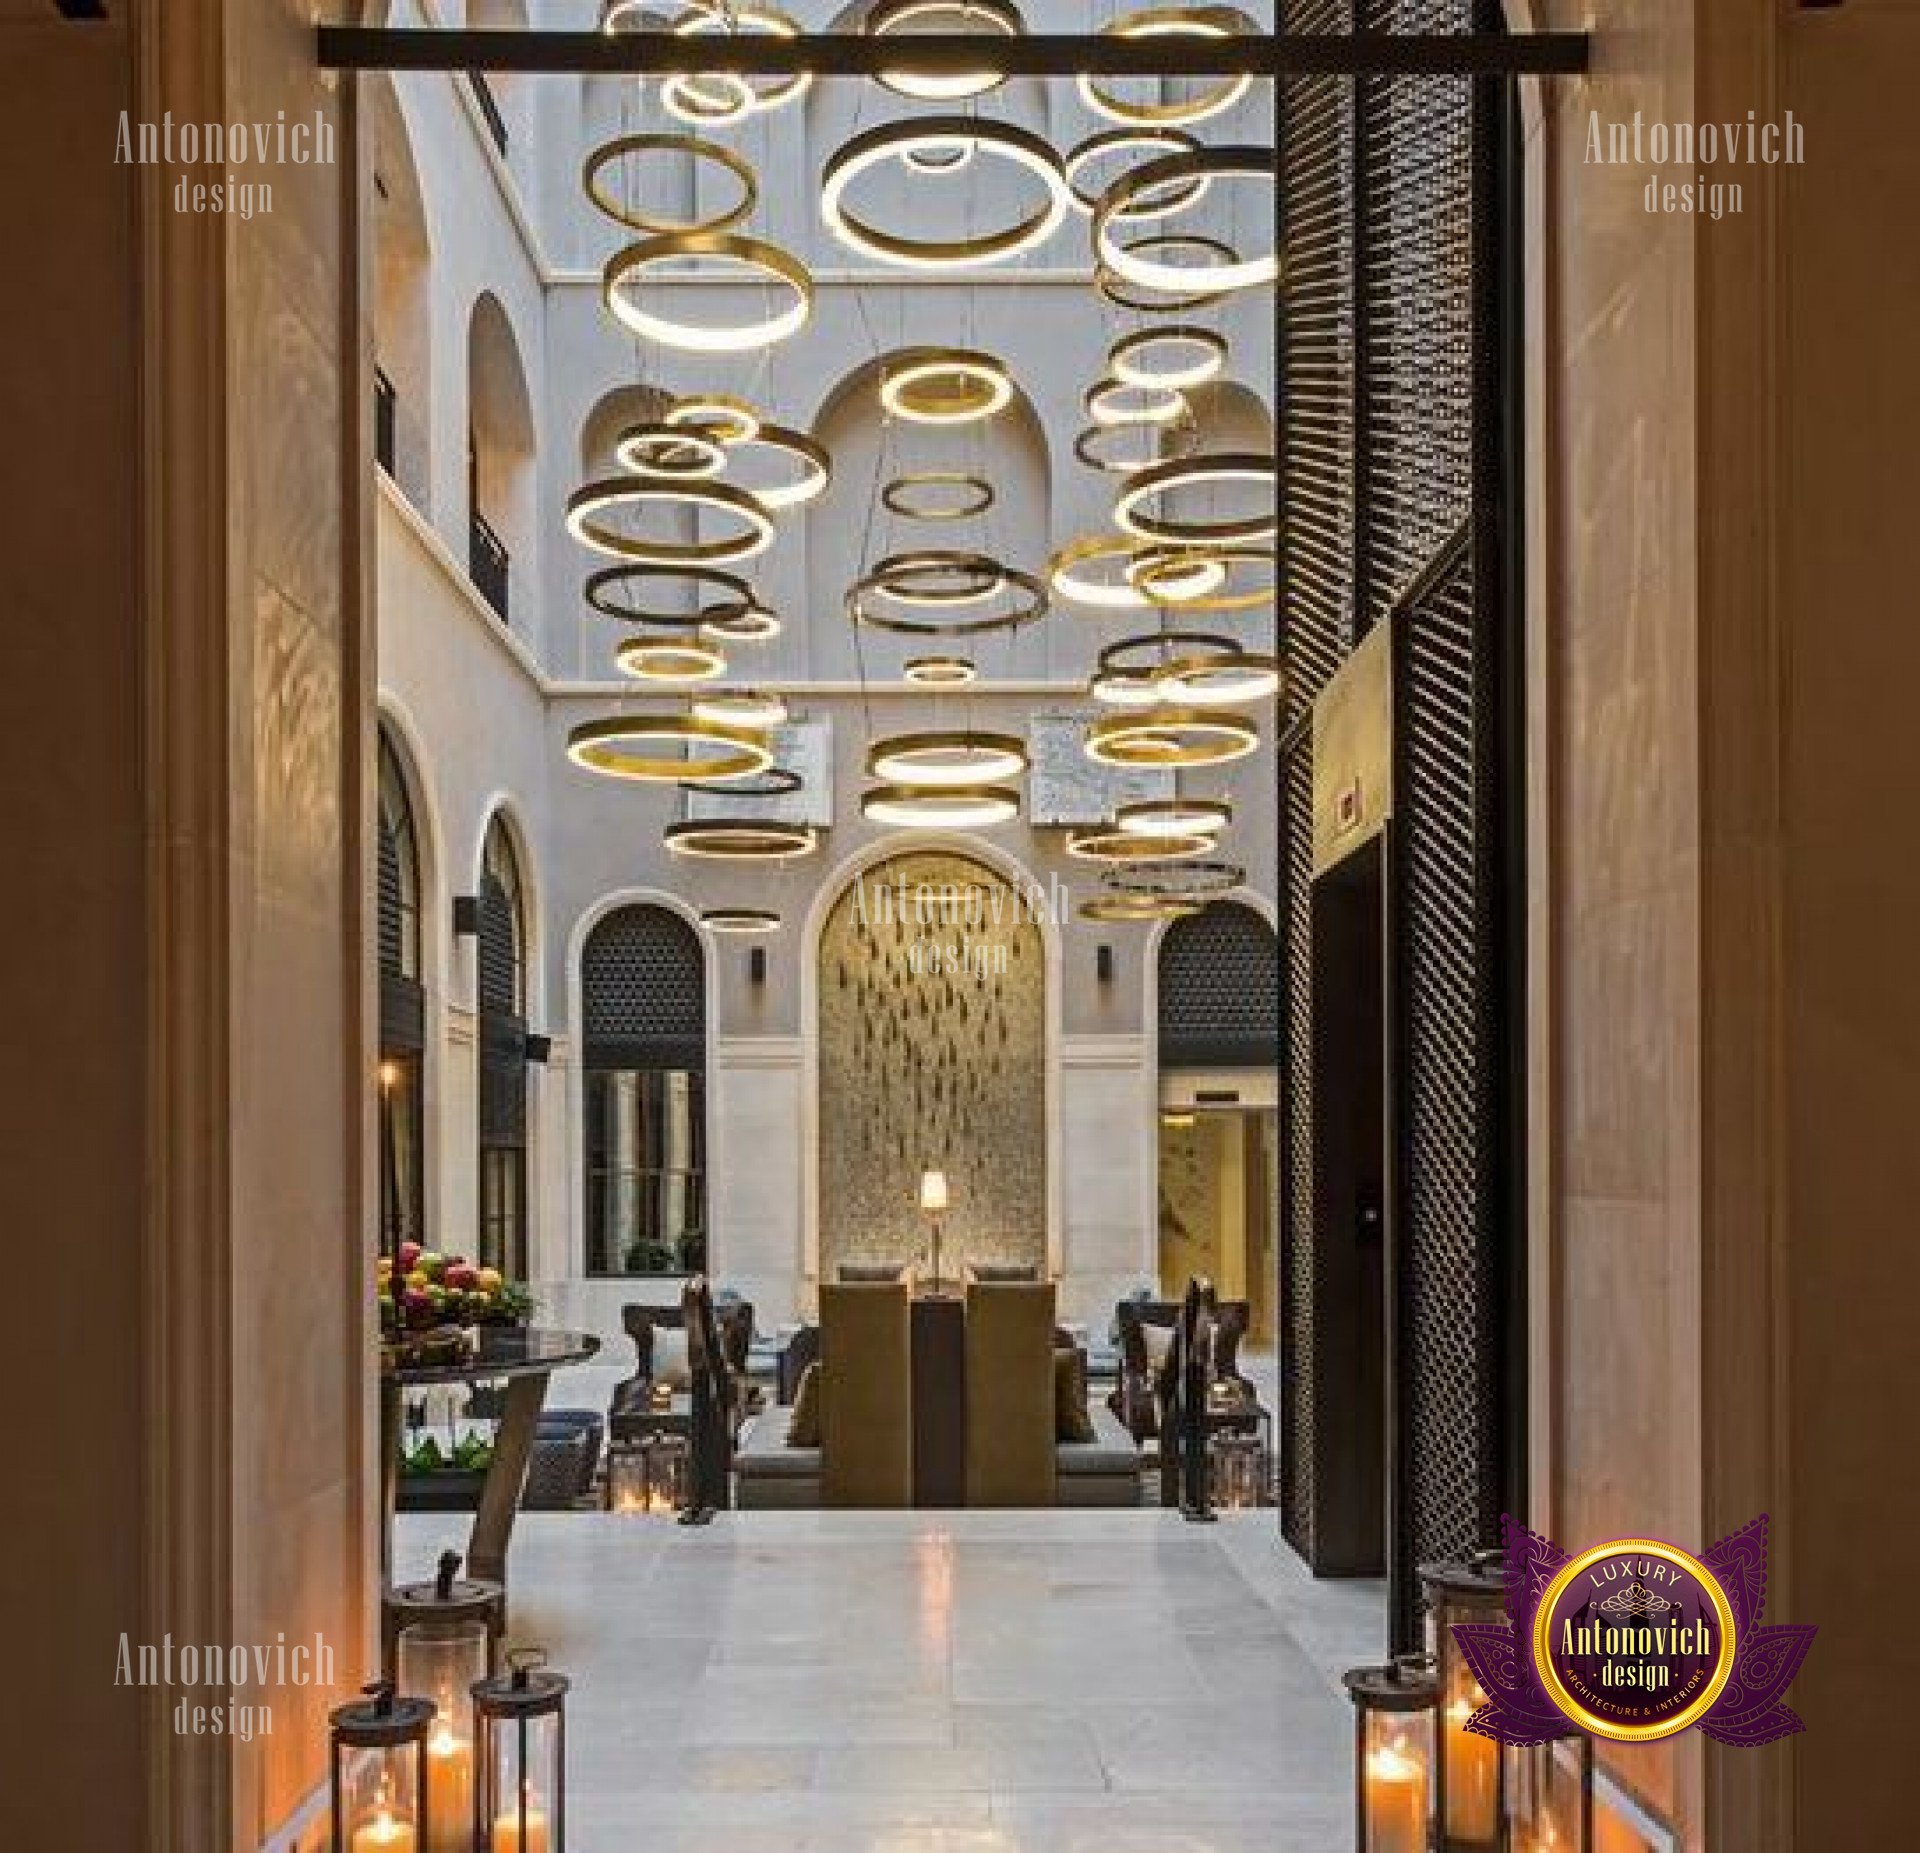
(489, 108)
(386, 424)
(489, 564)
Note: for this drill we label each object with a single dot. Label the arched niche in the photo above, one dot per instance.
(403, 306)
(500, 457)
(849, 528)
(931, 1055)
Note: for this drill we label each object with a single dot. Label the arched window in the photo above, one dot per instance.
(402, 1009)
(503, 1055)
(402, 313)
(1220, 990)
(644, 1052)
(500, 457)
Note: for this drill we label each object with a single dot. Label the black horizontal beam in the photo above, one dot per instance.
(854, 54)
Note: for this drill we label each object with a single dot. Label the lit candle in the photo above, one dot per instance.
(449, 1791)
(1396, 1802)
(385, 1833)
(508, 1825)
(1473, 1775)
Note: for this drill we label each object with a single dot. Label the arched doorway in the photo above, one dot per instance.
(932, 1049)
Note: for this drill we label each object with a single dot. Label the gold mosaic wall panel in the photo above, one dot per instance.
(932, 1055)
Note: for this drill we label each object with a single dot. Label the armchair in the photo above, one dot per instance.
(1146, 1333)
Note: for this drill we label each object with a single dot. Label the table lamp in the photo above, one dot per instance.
(934, 1200)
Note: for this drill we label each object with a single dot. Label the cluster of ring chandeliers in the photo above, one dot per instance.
(944, 778)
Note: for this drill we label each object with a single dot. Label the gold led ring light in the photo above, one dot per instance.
(1167, 575)
(717, 415)
(899, 18)
(813, 467)
(1182, 879)
(1135, 511)
(947, 622)
(667, 749)
(937, 495)
(939, 671)
(741, 839)
(1069, 575)
(774, 782)
(1163, 817)
(588, 504)
(1122, 402)
(1175, 300)
(937, 576)
(654, 449)
(967, 807)
(1209, 22)
(1119, 847)
(664, 659)
(601, 586)
(720, 99)
(1154, 142)
(895, 141)
(741, 707)
(1122, 203)
(623, 148)
(740, 920)
(1222, 677)
(1168, 359)
(946, 758)
(1163, 736)
(756, 624)
(944, 385)
(626, 271)
(1134, 670)
(1096, 447)
(1137, 910)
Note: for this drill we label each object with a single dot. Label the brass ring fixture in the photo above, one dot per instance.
(659, 659)
(952, 807)
(862, 593)
(774, 782)
(944, 385)
(893, 18)
(586, 505)
(717, 415)
(813, 467)
(917, 495)
(1168, 359)
(1122, 203)
(939, 671)
(947, 758)
(1119, 847)
(741, 707)
(1166, 576)
(937, 576)
(625, 147)
(1175, 299)
(1163, 817)
(654, 449)
(1182, 880)
(740, 600)
(1121, 402)
(740, 920)
(663, 749)
(1222, 678)
(1095, 448)
(754, 624)
(714, 98)
(1133, 509)
(1210, 22)
(627, 269)
(1155, 647)
(1068, 575)
(1127, 910)
(741, 839)
(1162, 736)
(1126, 688)
(894, 141)
(1086, 197)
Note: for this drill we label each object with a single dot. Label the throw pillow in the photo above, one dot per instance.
(1071, 1422)
(670, 1365)
(803, 1426)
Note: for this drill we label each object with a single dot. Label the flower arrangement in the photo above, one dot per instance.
(429, 1290)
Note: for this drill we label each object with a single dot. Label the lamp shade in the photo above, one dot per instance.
(933, 1190)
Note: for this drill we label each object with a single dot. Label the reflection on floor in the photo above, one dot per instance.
(953, 1682)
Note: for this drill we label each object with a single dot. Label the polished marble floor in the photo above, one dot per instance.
(953, 1682)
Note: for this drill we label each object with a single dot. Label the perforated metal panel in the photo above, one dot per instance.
(643, 992)
(1219, 991)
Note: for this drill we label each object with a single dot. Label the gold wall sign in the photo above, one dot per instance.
(1353, 753)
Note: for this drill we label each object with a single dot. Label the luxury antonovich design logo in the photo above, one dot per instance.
(220, 149)
(1634, 1639)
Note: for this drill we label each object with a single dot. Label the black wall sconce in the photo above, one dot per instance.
(757, 965)
(1103, 964)
(539, 1048)
(466, 916)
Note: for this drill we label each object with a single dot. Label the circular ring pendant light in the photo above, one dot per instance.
(602, 586)
(659, 659)
(902, 18)
(1137, 910)
(883, 582)
(1071, 575)
(1171, 576)
(1121, 402)
(1167, 359)
(1222, 678)
(774, 782)
(626, 148)
(587, 507)
(1164, 817)
(1125, 202)
(655, 449)
(1085, 192)
(1208, 22)
(893, 141)
(717, 415)
(940, 671)
(1185, 879)
(1119, 847)
(937, 495)
(667, 749)
(741, 707)
(741, 839)
(944, 385)
(937, 576)
(909, 807)
(947, 758)
(1163, 736)
(812, 469)
(1119, 450)
(1148, 248)
(626, 274)
(740, 920)
(753, 625)
(1135, 507)
(719, 99)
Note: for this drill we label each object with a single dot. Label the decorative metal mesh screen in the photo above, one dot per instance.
(643, 992)
(1297, 1279)
(1219, 991)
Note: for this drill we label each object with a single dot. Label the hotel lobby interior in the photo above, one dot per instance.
(934, 870)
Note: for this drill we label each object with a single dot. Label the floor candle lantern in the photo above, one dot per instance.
(1471, 1805)
(520, 1797)
(378, 1781)
(1553, 1792)
(1239, 1466)
(442, 1661)
(1393, 1718)
(648, 1476)
(448, 1597)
